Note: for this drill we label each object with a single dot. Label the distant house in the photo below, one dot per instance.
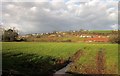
(64, 33)
(97, 39)
(85, 36)
(52, 35)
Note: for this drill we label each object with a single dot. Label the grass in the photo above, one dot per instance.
(89, 58)
(39, 52)
(101, 31)
(63, 50)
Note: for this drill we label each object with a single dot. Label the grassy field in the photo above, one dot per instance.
(24, 56)
(101, 31)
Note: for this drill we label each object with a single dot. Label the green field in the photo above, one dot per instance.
(24, 56)
(101, 31)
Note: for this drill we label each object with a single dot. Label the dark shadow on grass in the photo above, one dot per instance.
(78, 74)
(21, 64)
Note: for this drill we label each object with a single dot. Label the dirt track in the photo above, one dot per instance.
(76, 56)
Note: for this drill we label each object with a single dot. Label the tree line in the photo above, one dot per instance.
(11, 35)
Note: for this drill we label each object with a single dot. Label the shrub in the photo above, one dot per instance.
(115, 38)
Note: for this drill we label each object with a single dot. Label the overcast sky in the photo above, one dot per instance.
(60, 15)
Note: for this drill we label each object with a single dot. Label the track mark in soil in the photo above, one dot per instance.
(100, 62)
(72, 59)
(76, 56)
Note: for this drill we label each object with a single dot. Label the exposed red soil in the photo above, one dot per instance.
(97, 39)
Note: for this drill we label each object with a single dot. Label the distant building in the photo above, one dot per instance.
(85, 36)
(51, 35)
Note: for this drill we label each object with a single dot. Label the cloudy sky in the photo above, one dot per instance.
(60, 15)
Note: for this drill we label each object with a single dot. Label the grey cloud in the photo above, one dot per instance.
(48, 17)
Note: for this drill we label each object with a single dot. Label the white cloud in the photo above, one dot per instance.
(10, 6)
(12, 25)
(113, 16)
(57, 1)
(110, 10)
(115, 26)
(32, 17)
(7, 15)
(46, 9)
(33, 9)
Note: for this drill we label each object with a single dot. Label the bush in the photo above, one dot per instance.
(67, 40)
(115, 38)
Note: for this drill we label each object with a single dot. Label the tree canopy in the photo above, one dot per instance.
(9, 35)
